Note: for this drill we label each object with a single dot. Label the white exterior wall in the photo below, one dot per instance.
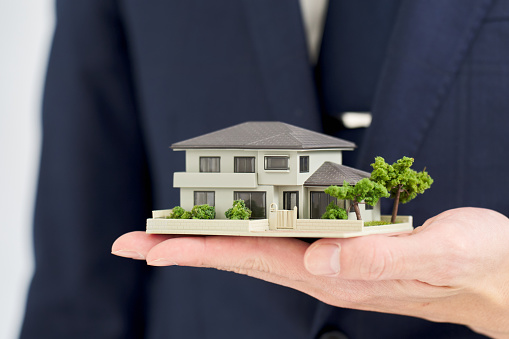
(226, 162)
(277, 177)
(289, 177)
(293, 175)
(367, 215)
(224, 197)
(316, 159)
(226, 182)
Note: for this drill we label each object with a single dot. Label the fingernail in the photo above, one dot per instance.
(162, 262)
(323, 260)
(129, 254)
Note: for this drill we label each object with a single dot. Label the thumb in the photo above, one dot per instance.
(372, 258)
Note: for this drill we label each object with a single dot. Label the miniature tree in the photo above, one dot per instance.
(365, 190)
(203, 212)
(238, 211)
(400, 180)
(333, 211)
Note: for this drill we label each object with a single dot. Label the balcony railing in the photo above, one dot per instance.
(217, 180)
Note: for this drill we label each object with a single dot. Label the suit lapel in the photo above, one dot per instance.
(280, 47)
(429, 42)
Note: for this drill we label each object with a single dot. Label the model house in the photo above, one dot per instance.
(266, 163)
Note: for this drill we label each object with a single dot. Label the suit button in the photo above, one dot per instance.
(333, 335)
(355, 119)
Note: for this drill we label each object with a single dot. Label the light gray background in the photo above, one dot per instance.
(25, 34)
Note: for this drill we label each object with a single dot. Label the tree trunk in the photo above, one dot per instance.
(357, 210)
(395, 206)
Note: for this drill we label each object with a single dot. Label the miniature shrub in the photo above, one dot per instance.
(186, 215)
(333, 211)
(203, 212)
(179, 213)
(238, 211)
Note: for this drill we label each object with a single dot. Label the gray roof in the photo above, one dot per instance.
(264, 135)
(331, 173)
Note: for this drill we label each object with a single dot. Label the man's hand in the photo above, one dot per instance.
(454, 268)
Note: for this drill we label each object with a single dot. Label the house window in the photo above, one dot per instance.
(244, 164)
(204, 197)
(304, 164)
(255, 201)
(277, 163)
(368, 207)
(319, 203)
(209, 164)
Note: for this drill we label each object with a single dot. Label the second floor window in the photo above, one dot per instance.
(277, 163)
(209, 164)
(244, 165)
(304, 164)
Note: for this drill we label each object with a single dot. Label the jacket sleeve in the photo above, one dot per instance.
(93, 183)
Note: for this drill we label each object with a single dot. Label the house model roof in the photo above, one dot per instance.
(331, 173)
(264, 135)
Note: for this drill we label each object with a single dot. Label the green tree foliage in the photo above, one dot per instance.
(238, 211)
(203, 212)
(179, 213)
(400, 180)
(365, 190)
(333, 211)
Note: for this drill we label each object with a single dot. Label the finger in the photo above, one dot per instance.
(376, 258)
(276, 260)
(280, 261)
(136, 245)
(222, 253)
(239, 254)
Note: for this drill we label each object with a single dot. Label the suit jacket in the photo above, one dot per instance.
(128, 78)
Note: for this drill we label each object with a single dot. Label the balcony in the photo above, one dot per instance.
(215, 180)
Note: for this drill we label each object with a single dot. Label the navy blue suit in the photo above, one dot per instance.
(126, 79)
